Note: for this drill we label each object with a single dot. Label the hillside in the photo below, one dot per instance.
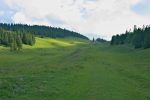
(74, 69)
(15, 35)
(42, 31)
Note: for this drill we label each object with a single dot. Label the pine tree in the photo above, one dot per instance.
(93, 40)
(147, 41)
(19, 42)
(13, 46)
(138, 40)
(113, 40)
(25, 38)
(6, 42)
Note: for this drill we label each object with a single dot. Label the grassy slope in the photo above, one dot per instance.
(71, 70)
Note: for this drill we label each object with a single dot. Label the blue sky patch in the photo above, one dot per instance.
(7, 12)
(142, 8)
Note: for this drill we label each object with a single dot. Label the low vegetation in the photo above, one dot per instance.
(74, 69)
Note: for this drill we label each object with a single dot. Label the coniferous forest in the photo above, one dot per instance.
(15, 39)
(14, 35)
(101, 40)
(42, 31)
(139, 37)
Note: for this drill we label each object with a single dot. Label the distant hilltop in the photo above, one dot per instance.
(41, 30)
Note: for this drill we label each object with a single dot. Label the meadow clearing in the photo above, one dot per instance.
(74, 69)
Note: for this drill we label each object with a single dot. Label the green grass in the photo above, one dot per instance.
(74, 69)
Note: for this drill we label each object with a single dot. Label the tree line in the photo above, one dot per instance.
(14, 40)
(42, 31)
(99, 40)
(14, 35)
(139, 37)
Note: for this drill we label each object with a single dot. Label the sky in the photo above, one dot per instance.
(93, 18)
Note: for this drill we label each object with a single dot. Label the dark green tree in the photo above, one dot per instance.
(19, 42)
(13, 46)
(139, 38)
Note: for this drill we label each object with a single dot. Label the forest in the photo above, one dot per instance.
(101, 40)
(139, 37)
(42, 31)
(14, 35)
(15, 39)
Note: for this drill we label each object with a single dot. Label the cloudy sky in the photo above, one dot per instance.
(93, 18)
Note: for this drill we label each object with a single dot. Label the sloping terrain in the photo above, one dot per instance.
(74, 69)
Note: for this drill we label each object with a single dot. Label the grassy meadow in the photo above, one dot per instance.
(74, 69)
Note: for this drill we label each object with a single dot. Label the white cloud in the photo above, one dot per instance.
(1, 13)
(20, 17)
(100, 18)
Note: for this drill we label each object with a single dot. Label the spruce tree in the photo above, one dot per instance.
(19, 42)
(13, 46)
(147, 41)
(93, 40)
